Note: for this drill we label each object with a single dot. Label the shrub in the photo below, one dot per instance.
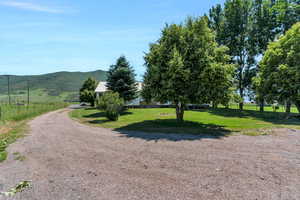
(88, 96)
(112, 104)
(87, 91)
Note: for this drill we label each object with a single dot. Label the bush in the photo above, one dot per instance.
(88, 96)
(87, 91)
(112, 104)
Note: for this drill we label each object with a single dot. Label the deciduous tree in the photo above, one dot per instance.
(185, 64)
(247, 27)
(280, 68)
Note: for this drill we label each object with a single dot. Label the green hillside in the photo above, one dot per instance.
(48, 87)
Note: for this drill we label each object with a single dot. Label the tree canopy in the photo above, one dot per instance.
(186, 65)
(279, 78)
(246, 27)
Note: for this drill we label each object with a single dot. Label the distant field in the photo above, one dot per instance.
(211, 121)
(39, 95)
(21, 112)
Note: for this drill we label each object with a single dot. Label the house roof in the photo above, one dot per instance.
(102, 87)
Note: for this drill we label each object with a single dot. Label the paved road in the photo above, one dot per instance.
(66, 160)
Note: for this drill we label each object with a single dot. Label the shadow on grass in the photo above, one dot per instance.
(267, 116)
(169, 129)
(102, 114)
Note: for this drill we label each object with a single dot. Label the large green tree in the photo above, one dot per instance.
(87, 91)
(186, 65)
(121, 79)
(232, 26)
(270, 19)
(280, 69)
(263, 30)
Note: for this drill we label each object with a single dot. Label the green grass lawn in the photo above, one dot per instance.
(267, 108)
(210, 121)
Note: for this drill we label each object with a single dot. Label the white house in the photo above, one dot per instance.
(101, 88)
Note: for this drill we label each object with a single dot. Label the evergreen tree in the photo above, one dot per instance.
(121, 79)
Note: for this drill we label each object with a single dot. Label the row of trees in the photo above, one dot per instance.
(215, 57)
(279, 75)
(246, 27)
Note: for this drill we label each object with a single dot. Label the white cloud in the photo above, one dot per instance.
(31, 6)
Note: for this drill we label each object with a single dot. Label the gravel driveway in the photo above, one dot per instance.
(66, 160)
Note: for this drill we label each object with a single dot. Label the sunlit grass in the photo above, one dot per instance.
(21, 112)
(13, 121)
(250, 122)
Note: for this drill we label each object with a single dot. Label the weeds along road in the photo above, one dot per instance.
(67, 160)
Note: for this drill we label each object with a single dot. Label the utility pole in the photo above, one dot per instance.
(27, 92)
(8, 88)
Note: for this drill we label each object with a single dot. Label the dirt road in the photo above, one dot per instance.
(66, 160)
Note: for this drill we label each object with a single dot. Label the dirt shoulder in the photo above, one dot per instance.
(68, 160)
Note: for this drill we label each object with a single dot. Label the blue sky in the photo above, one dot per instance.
(42, 36)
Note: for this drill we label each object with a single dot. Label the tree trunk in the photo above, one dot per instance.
(297, 103)
(261, 105)
(215, 105)
(179, 112)
(288, 107)
(241, 105)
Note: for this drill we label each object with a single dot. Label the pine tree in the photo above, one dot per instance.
(121, 79)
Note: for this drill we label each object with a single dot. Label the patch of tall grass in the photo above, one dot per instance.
(13, 119)
(22, 112)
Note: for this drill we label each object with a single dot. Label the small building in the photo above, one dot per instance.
(101, 88)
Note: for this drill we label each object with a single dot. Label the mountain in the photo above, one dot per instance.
(54, 84)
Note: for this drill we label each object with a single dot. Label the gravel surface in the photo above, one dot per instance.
(66, 160)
